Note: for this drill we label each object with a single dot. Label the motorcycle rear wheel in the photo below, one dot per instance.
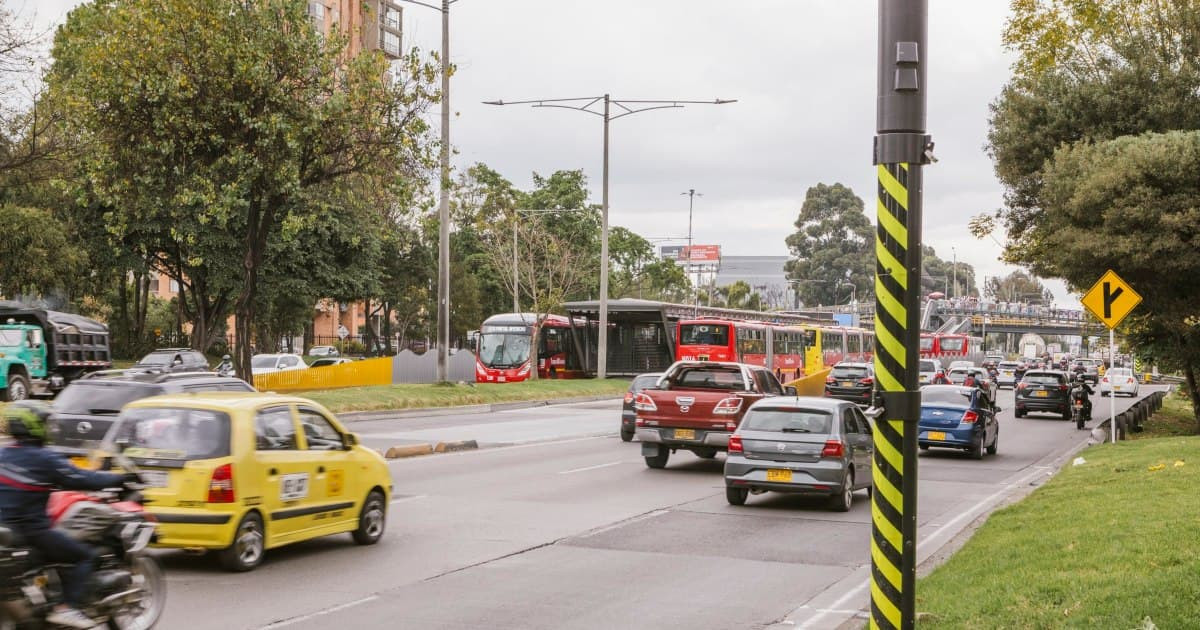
(154, 600)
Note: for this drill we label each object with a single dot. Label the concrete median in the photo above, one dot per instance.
(408, 450)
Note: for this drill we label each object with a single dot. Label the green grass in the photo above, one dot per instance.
(1102, 545)
(382, 397)
(1174, 419)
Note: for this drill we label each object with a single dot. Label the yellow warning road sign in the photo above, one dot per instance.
(1111, 299)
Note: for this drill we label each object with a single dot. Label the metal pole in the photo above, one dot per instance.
(516, 273)
(443, 312)
(602, 341)
(901, 148)
(695, 291)
(1112, 397)
(955, 252)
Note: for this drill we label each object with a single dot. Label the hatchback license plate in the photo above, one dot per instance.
(154, 478)
(937, 436)
(685, 434)
(1041, 394)
(847, 384)
(779, 474)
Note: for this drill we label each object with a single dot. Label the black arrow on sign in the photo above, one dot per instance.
(1109, 298)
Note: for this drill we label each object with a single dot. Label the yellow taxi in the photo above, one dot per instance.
(245, 472)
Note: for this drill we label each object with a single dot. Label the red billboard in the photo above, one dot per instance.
(701, 254)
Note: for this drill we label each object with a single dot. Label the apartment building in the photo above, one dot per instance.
(369, 24)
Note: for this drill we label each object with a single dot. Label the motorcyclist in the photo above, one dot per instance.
(1084, 390)
(29, 472)
(225, 367)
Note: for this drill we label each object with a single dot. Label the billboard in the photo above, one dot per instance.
(701, 253)
(670, 252)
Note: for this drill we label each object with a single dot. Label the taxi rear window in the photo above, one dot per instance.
(172, 433)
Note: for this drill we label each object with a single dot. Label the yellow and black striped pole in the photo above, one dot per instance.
(901, 148)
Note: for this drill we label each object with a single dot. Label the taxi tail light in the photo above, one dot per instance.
(220, 488)
(735, 444)
(728, 406)
(643, 402)
(969, 417)
(833, 448)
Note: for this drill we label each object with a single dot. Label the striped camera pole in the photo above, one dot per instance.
(901, 148)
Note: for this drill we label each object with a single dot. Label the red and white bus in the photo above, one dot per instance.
(791, 351)
(951, 347)
(840, 343)
(502, 351)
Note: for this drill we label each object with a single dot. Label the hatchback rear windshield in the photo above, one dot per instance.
(945, 396)
(850, 372)
(97, 399)
(788, 420)
(172, 433)
(1043, 379)
(1120, 372)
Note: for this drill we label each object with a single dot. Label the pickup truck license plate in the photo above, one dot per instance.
(1041, 393)
(937, 436)
(685, 434)
(779, 474)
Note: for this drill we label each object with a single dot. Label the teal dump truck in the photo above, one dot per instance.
(41, 350)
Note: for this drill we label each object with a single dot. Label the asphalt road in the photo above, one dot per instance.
(577, 533)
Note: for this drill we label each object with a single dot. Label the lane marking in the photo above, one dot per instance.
(587, 468)
(295, 620)
(403, 499)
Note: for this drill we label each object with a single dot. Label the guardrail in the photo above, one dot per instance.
(1132, 420)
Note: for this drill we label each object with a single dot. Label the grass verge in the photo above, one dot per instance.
(381, 397)
(1174, 419)
(1102, 545)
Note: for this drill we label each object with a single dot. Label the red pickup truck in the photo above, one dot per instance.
(698, 405)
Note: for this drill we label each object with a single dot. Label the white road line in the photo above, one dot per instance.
(295, 620)
(587, 468)
(972, 512)
(403, 499)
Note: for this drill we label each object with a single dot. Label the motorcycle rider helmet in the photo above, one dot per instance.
(26, 419)
(225, 358)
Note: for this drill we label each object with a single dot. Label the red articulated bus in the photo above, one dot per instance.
(951, 347)
(779, 347)
(502, 354)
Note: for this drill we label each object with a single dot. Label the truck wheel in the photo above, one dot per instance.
(659, 460)
(736, 496)
(18, 388)
(626, 435)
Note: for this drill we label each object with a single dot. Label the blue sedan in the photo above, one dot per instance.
(958, 417)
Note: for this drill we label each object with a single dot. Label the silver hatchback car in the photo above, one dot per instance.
(800, 445)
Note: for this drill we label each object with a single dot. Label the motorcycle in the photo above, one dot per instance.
(225, 367)
(128, 588)
(1081, 412)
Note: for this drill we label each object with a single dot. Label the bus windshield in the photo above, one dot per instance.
(503, 350)
(704, 335)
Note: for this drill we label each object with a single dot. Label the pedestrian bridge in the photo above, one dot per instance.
(940, 316)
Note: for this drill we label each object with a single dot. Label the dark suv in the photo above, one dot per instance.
(172, 360)
(851, 381)
(1044, 390)
(86, 408)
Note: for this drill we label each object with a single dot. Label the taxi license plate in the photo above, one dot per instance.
(154, 478)
(779, 474)
(938, 436)
(1041, 393)
(685, 434)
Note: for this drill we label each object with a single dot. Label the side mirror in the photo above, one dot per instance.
(789, 390)
(351, 440)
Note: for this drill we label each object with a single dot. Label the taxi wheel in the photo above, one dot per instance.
(247, 549)
(371, 520)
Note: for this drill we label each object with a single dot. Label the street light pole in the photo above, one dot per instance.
(630, 107)
(692, 194)
(954, 251)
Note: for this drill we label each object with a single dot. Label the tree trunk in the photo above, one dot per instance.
(259, 220)
(1189, 372)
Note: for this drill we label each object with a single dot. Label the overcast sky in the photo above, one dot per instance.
(803, 72)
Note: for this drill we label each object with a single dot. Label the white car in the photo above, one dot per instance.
(961, 364)
(1006, 373)
(271, 363)
(932, 372)
(1118, 381)
(322, 351)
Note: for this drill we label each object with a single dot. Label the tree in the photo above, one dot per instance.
(1017, 286)
(37, 257)
(832, 245)
(233, 116)
(940, 274)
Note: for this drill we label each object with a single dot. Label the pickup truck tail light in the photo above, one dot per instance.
(833, 448)
(643, 402)
(728, 406)
(628, 397)
(969, 417)
(735, 444)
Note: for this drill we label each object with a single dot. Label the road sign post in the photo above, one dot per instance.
(901, 148)
(1111, 299)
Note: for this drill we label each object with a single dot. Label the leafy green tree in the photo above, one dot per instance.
(235, 117)
(37, 257)
(1018, 286)
(939, 275)
(833, 244)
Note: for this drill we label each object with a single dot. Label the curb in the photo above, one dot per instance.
(417, 450)
(433, 412)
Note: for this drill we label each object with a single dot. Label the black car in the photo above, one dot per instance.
(1044, 390)
(86, 408)
(172, 360)
(852, 382)
(628, 415)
